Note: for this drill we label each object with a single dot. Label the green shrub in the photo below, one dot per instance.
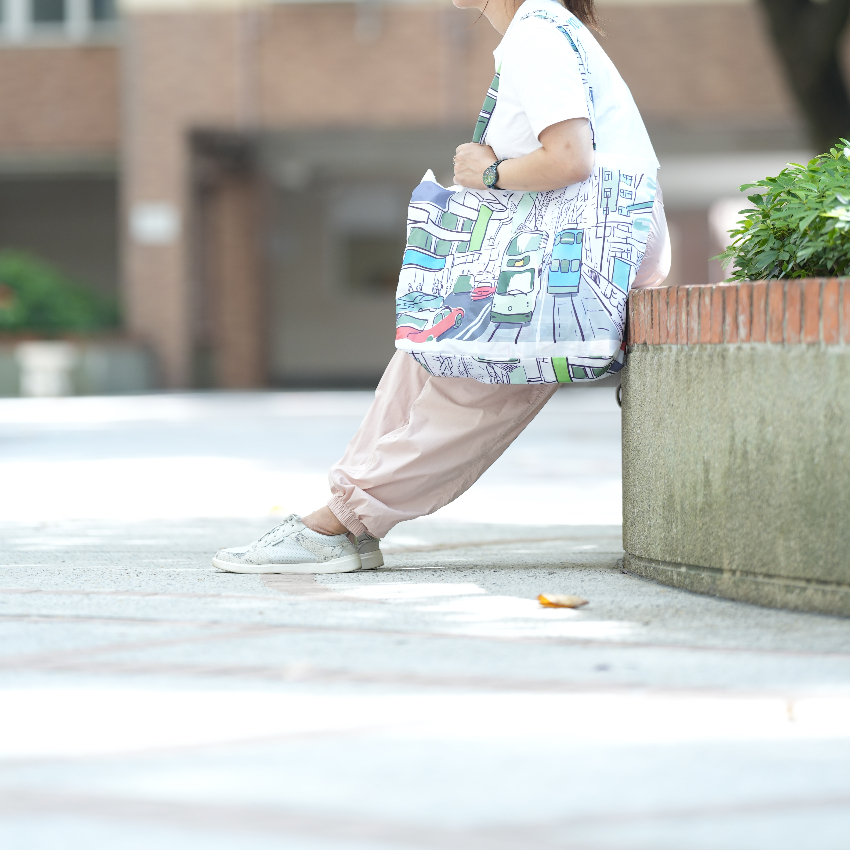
(800, 225)
(36, 297)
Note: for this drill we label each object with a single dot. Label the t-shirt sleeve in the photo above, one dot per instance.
(545, 69)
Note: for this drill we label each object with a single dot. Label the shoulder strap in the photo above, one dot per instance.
(570, 31)
(480, 134)
(486, 110)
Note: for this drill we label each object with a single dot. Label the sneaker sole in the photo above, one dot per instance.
(348, 564)
(372, 560)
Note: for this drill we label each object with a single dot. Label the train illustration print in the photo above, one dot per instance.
(565, 268)
(516, 288)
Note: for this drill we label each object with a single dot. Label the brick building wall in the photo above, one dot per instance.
(59, 100)
(704, 76)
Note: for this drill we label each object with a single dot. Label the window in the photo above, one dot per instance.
(102, 10)
(76, 20)
(48, 11)
(371, 262)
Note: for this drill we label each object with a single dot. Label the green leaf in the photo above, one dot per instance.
(799, 224)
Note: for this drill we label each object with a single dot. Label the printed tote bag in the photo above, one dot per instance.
(525, 287)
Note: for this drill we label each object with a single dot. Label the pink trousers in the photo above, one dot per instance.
(426, 440)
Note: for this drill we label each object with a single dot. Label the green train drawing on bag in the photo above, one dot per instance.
(516, 289)
(565, 268)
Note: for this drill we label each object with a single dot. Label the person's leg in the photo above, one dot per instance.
(425, 441)
(400, 385)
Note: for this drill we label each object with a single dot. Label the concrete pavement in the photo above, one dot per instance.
(146, 698)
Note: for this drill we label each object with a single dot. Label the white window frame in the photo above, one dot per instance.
(18, 27)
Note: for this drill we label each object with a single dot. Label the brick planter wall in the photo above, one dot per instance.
(736, 461)
(777, 311)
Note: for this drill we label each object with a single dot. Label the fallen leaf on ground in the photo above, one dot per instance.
(559, 600)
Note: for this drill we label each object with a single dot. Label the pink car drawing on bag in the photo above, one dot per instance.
(441, 321)
(482, 292)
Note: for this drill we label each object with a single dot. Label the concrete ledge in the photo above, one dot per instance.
(771, 591)
(736, 460)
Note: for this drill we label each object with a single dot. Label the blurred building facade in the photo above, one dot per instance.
(238, 171)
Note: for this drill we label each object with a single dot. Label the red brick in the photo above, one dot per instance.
(793, 315)
(745, 301)
(672, 317)
(830, 312)
(693, 315)
(730, 313)
(758, 323)
(811, 310)
(705, 313)
(716, 334)
(775, 310)
(846, 287)
(663, 309)
(633, 328)
(640, 317)
(656, 317)
(682, 315)
(631, 319)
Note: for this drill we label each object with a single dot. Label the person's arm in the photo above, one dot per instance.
(566, 157)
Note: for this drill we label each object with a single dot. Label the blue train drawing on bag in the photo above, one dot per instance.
(524, 287)
(565, 267)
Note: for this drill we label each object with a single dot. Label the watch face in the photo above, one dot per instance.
(490, 176)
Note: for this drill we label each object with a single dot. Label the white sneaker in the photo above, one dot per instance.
(291, 547)
(369, 549)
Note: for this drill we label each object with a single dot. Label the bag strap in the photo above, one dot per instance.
(486, 110)
(573, 23)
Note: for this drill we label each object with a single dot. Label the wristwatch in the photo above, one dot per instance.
(491, 174)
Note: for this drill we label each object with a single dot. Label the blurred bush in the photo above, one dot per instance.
(36, 297)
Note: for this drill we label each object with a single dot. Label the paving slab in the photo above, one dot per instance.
(147, 698)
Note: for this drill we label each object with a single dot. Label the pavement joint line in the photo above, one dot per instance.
(379, 725)
(401, 549)
(281, 821)
(301, 674)
(281, 594)
(278, 597)
(271, 628)
(78, 653)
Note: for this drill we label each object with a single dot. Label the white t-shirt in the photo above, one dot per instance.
(540, 85)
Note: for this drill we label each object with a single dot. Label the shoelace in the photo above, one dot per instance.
(277, 534)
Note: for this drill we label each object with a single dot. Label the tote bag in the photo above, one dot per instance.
(525, 287)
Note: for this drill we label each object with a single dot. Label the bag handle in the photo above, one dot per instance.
(479, 135)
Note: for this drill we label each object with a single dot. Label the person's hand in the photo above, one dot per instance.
(470, 160)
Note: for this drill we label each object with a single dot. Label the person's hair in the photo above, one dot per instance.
(585, 11)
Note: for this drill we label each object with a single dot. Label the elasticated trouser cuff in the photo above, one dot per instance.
(347, 517)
